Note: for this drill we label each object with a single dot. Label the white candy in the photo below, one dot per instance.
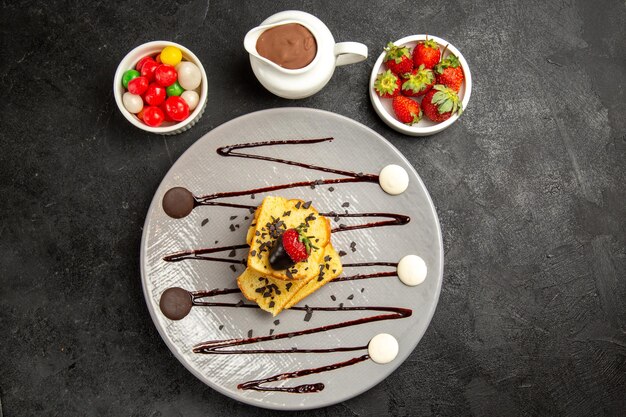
(191, 98)
(412, 270)
(189, 76)
(383, 348)
(393, 179)
(132, 102)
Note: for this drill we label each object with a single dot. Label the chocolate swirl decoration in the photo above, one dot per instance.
(300, 389)
(176, 303)
(178, 202)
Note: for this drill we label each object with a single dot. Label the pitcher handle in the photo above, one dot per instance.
(350, 53)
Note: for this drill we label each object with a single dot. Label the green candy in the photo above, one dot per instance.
(174, 89)
(129, 75)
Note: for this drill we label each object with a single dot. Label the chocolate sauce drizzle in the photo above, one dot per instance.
(300, 389)
(230, 151)
(199, 254)
(176, 303)
(220, 347)
(397, 220)
(217, 346)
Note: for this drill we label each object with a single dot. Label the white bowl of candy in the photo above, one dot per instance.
(161, 87)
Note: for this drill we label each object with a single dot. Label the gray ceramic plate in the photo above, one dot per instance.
(201, 170)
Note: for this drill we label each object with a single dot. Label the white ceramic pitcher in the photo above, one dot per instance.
(301, 82)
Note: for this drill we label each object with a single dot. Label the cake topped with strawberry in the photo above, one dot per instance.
(291, 255)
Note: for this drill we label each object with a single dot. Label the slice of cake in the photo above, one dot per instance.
(278, 218)
(274, 295)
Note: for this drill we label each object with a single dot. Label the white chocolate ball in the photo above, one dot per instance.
(132, 102)
(393, 179)
(189, 76)
(191, 98)
(383, 348)
(412, 270)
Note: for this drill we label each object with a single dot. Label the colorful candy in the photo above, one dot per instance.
(171, 55)
(143, 61)
(161, 88)
(189, 76)
(132, 102)
(153, 116)
(155, 94)
(165, 75)
(129, 75)
(138, 85)
(174, 90)
(176, 108)
(148, 69)
(191, 98)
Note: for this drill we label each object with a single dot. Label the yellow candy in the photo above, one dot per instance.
(171, 55)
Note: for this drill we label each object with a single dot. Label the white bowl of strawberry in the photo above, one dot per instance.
(420, 85)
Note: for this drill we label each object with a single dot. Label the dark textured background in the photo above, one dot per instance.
(529, 186)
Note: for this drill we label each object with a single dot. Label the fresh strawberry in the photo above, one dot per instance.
(427, 54)
(407, 110)
(450, 73)
(290, 248)
(387, 84)
(398, 59)
(418, 82)
(440, 103)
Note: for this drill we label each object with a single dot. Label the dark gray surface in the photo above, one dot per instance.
(529, 185)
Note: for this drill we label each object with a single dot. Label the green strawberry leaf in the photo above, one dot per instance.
(397, 53)
(419, 80)
(450, 61)
(386, 83)
(431, 44)
(446, 100)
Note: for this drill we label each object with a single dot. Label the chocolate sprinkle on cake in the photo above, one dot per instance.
(204, 222)
(350, 297)
(276, 322)
(346, 204)
(232, 253)
(233, 217)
